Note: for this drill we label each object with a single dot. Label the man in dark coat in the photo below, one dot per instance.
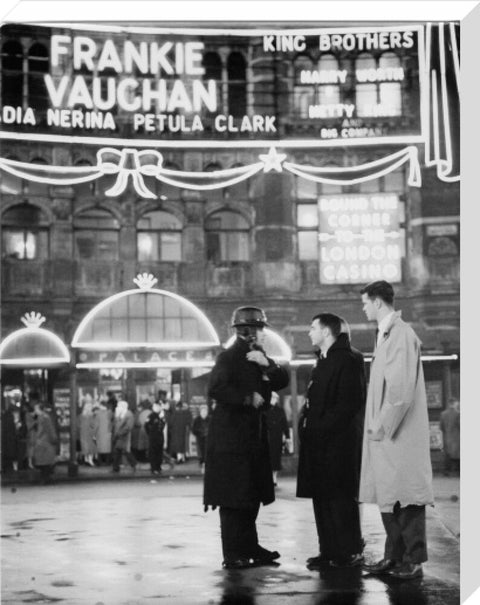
(330, 444)
(154, 427)
(238, 474)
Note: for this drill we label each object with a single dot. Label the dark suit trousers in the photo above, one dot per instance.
(406, 534)
(338, 527)
(117, 458)
(239, 532)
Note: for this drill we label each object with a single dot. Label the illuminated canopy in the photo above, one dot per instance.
(145, 318)
(275, 346)
(33, 346)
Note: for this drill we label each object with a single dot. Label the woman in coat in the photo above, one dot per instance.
(45, 442)
(87, 428)
(103, 432)
(238, 474)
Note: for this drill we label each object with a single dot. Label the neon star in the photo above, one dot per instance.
(272, 160)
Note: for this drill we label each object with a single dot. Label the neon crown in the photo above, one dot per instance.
(33, 319)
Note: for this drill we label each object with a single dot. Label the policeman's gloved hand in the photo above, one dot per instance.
(258, 357)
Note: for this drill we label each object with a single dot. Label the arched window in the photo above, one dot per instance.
(378, 90)
(328, 91)
(24, 233)
(227, 236)
(159, 237)
(304, 91)
(96, 235)
(38, 66)
(237, 84)
(213, 71)
(12, 73)
(391, 92)
(365, 92)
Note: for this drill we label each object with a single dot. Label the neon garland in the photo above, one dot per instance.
(443, 99)
(134, 164)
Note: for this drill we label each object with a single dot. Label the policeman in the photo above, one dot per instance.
(238, 475)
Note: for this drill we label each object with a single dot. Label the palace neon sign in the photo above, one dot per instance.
(145, 283)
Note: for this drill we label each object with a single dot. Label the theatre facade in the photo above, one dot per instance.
(283, 166)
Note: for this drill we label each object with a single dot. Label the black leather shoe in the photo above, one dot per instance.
(407, 571)
(238, 564)
(352, 561)
(380, 567)
(318, 562)
(266, 556)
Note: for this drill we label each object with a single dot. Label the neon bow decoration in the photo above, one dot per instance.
(131, 164)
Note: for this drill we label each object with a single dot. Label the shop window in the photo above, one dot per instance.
(159, 237)
(307, 224)
(12, 73)
(227, 237)
(38, 66)
(96, 235)
(24, 233)
(378, 90)
(237, 84)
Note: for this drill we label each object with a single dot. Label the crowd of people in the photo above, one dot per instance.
(110, 432)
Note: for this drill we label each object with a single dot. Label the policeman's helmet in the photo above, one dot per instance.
(249, 316)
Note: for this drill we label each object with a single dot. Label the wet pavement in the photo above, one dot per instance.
(143, 540)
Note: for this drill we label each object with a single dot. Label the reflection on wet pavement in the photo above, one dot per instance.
(119, 546)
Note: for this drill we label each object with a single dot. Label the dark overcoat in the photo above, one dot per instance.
(237, 468)
(331, 432)
(180, 422)
(277, 429)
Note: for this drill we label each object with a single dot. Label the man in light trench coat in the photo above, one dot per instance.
(396, 468)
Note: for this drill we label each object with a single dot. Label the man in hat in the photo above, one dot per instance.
(396, 468)
(238, 474)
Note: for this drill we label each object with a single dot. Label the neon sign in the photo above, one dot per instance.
(88, 335)
(183, 109)
(360, 238)
(33, 346)
(161, 84)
